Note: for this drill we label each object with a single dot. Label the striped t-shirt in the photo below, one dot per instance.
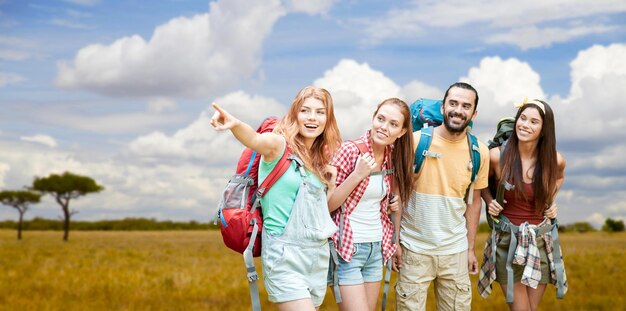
(434, 220)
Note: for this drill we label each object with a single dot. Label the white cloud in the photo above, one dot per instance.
(356, 89)
(187, 56)
(309, 7)
(598, 76)
(500, 83)
(533, 37)
(597, 62)
(402, 22)
(416, 89)
(160, 104)
(40, 139)
(199, 141)
(115, 123)
(7, 78)
(190, 56)
(178, 192)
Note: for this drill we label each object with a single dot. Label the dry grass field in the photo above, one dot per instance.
(192, 270)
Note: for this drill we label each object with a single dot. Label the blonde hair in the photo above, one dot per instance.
(319, 155)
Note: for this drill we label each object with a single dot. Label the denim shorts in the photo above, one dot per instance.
(365, 266)
(292, 272)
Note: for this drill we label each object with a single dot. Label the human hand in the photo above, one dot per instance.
(495, 208)
(472, 262)
(396, 259)
(551, 211)
(221, 119)
(394, 203)
(365, 164)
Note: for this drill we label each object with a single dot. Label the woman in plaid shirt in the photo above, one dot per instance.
(366, 170)
(530, 162)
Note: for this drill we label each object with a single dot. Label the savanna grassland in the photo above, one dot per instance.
(192, 270)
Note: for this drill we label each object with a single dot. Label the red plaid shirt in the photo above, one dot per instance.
(345, 159)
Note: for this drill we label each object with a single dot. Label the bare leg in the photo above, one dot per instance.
(535, 295)
(521, 300)
(296, 305)
(353, 298)
(371, 289)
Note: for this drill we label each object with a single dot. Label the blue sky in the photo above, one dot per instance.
(121, 90)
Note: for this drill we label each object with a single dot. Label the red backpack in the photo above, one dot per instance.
(239, 209)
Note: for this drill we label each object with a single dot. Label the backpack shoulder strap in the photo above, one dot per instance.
(360, 144)
(426, 138)
(474, 154)
(278, 170)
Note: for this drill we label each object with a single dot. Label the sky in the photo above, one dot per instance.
(121, 90)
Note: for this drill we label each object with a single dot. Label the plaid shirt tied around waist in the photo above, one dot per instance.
(526, 253)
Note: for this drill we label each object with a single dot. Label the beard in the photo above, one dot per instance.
(455, 128)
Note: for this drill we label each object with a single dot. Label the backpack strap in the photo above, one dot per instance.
(389, 262)
(422, 151)
(278, 170)
(426, 136)
(360, 144)
(252, 157)
(474, 154)
(474, 164)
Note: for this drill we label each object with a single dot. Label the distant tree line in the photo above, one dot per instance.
(126, 224)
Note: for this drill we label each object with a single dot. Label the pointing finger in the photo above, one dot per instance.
(217, 107)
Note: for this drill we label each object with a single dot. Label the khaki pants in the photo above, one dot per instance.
(449, 273)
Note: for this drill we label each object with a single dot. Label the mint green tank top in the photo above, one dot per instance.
(279, 200)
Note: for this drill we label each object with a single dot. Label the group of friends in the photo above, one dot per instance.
(351, 196)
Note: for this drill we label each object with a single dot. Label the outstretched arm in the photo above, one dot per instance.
(268, 144)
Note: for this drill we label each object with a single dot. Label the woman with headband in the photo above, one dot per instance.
(533, 171)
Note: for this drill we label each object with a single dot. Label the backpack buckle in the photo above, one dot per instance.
(431, 154)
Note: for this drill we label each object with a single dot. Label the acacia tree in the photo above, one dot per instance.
(20, 200)
(64, 188)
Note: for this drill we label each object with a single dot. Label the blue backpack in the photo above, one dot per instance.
(426, 114)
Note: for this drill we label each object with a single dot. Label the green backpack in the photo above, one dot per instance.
(503, 132)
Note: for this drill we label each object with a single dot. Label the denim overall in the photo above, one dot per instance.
(295, 263)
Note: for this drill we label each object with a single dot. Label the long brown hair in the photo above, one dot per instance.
(320, 153)
(403, 151)
(545, 173)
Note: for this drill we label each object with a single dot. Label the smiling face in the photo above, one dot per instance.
(529, 125)
(311, 119)
(387, 125)
(458, 109)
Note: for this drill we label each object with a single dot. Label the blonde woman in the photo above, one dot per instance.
(296, 223)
